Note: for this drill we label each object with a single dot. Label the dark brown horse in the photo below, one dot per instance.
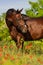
(12, 24)
(23, 27)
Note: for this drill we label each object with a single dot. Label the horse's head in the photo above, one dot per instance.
(14, 17)
(18, 13)
(20, 21)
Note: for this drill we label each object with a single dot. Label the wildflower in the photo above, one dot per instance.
(24, 64)
(7, 54)
(1, 62)
(5, 57)
(41, 62)
(12, 58)
(31, 56)
(28, 46)
(11, 46)
(0, 49)
(0, 54)
(18, 54)
(5, 46)
(38, 59)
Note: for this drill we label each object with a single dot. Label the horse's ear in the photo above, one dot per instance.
(18, 11)
(21, 10)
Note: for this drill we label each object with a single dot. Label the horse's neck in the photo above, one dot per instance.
(25, 17)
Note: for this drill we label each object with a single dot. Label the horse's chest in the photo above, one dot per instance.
(35, 29)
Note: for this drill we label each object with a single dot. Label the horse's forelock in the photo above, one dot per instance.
(10, 11)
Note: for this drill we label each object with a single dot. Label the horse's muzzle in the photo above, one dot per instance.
(23, 28)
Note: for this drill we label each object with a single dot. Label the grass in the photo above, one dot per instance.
(32, 51)
(32, 54)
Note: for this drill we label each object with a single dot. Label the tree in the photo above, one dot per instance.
(2, 16)
(36, 9)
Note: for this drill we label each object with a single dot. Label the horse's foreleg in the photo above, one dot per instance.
(20, 42)
(22, 45)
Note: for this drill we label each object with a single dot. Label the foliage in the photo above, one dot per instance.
(36, 9)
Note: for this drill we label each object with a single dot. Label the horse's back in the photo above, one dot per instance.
(35, 27)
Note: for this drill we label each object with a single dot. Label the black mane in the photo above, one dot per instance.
(25, 17)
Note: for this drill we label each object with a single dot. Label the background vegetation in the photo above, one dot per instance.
(33, 50)
(36, 9)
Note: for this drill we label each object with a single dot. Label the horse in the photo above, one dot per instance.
(32, 25)
(23, 27)
(12, 26)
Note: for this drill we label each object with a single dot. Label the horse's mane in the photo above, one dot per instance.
(10, 11)
(25, 17)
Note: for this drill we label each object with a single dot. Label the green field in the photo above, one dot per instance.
(10, 55)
